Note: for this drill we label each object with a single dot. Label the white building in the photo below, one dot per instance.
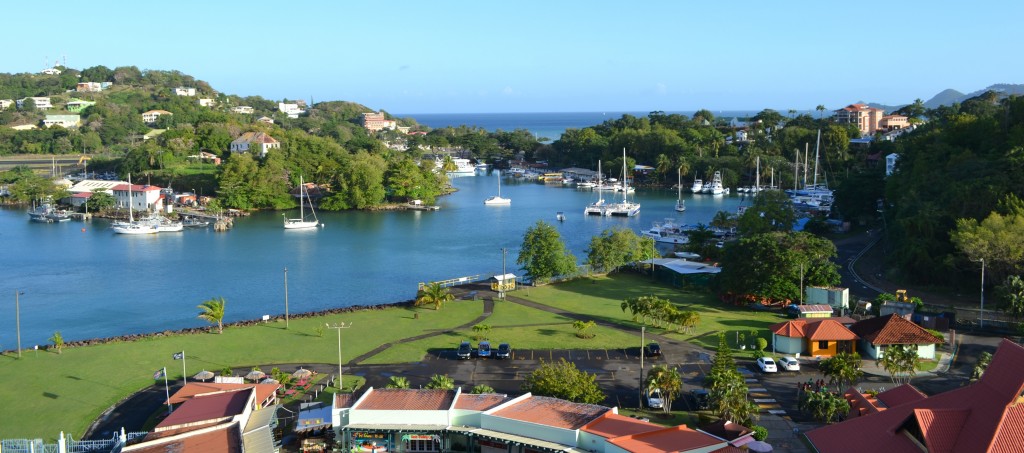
(254, 140)
(143, 198)
(65, 121)
(51, 71)
(151, 116)
(266, 120)
(207, 102)
(185, 91)
(89, 87)
(243, 109)
(42, 102)
(4, 103)
(290, 109)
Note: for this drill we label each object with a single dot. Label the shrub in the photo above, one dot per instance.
(761, 344)
(760, 432)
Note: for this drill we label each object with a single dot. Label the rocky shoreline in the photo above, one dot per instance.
(203, 330)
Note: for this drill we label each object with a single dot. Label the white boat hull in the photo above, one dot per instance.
(498, 201)
(299, 224)
(134, 228)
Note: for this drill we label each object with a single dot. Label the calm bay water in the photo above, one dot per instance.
(93, 283)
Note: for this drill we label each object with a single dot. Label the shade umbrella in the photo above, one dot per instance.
(255, 375)
(269, 381)
(302, 373)
(203, 375)
(759, 446)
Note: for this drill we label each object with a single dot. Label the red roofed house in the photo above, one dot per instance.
(878, 333)
(824, 337)
(143, 198)
(266, 394)
(221, 422)
(866, 118)
(255, 140)
(986, 416)
(387, 420)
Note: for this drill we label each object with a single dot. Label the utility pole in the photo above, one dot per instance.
(501, 283)
(17, 317)
(338, 327)
(640, 401)
(286, 298)
(981, 314)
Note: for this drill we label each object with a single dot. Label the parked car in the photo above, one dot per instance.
(767, 365)
(465, 350)
(504, 351)
(654, 399)
(484, 349)
(700, 399)
(653, 349)
(789, 364)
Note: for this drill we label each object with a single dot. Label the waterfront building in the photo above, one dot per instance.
(866, 118)
(264, 142)
(143, 198)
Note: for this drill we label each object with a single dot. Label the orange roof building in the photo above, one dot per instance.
(986, 416)
(819, 337)
(880, 332)
(266, 394)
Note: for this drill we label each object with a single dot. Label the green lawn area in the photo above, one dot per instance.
(674, 418)
(45, 393)
(601, 297)
(523, 327)
(927, 365)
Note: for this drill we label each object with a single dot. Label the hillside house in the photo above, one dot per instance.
(893, 122)
(151, 116)
(77, 105)
(41, 102)
(265, 120)
(65, 121)
(376, 121)
(291, 109)
(866, 118)
(91, 87)
(207, 102)
(253, 141)
(185, 91)
(4, 103)
(50, 71)
(243, 109)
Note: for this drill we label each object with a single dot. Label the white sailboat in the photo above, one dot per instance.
(301, 222)
(497, 200)
(624, 208)
(680, 204)
(132, 226)
(598, 207)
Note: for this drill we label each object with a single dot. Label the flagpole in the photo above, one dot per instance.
(167, 391)
(184, 375)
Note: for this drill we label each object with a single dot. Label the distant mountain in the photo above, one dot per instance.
(948, 96)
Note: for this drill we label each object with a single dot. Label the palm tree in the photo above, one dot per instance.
(434, 294)
(901, 363)
(213, 312)
(441, 381)
(481, 331)
(398, 382)
(668, 381)
(58, 341)
(821, 110)
(482, 388)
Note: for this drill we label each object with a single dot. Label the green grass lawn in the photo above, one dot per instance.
(601, 297)
(522, 327)
(674, 418)
(927, 365)
(45, 393)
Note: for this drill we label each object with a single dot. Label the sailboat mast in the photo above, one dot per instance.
(302, 202)
(679, 184)
(757, 174)
(806, 151)
(130, 217)
(817, 146)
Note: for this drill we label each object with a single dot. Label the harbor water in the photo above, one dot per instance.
(87, 282)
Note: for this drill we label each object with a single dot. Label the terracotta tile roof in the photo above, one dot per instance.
(730, 449)
(208, 407)
(678, 438)
(905, 393)
(552, 412)
(828, 329)
(479, 402)
(793, 328)
(222, 440)
(407, 399)
(614, 425)
(994, 420)
(135, 188)
(343, 400)
(255, 137)
(264, 392)
(892, 329)
(726, 429)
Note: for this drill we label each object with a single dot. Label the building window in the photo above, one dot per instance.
(822, 344)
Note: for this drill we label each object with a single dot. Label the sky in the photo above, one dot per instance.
(540, 56)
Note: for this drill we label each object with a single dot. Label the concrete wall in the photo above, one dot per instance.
(787, 345)
(398, 417)
(465, 417)
(592, 442)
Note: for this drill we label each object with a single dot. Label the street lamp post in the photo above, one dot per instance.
(640, 393)
(501, 284)
(981, 314)
(17, 318)
(286, 298)
(338, 327)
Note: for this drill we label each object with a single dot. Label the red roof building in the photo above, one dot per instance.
(986, 416)
(866, 118)
(824, 337)
(880, 332)
(266, 394)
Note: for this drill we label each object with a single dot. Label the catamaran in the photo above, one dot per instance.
(301, 222)
(598, 207)
(624, 208)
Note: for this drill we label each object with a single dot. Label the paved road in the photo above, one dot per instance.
(848, 250)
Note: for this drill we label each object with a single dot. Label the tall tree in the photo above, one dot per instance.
(563, 380)
(771, 211)
(843, 370)
(212, 311)
(543, 254)
(1011, 296)
(769, 265)
(616, 247)
(668, 381)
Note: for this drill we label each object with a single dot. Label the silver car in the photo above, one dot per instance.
(767, 365)
(789, 364)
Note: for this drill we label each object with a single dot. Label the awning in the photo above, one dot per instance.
(522, 440)
(396, 427)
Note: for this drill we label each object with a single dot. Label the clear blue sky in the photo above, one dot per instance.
(546, 56)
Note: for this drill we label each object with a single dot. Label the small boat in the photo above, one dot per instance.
(301, 222)
(132, 226)
(46, 213)
(194, 222)
(687, 255)
(680, 204)
(716, 184)
(598, 208)
(586, 185)
(560, 216)
(697, 187)
(497, 200)
(667, 233)
(624, 208)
